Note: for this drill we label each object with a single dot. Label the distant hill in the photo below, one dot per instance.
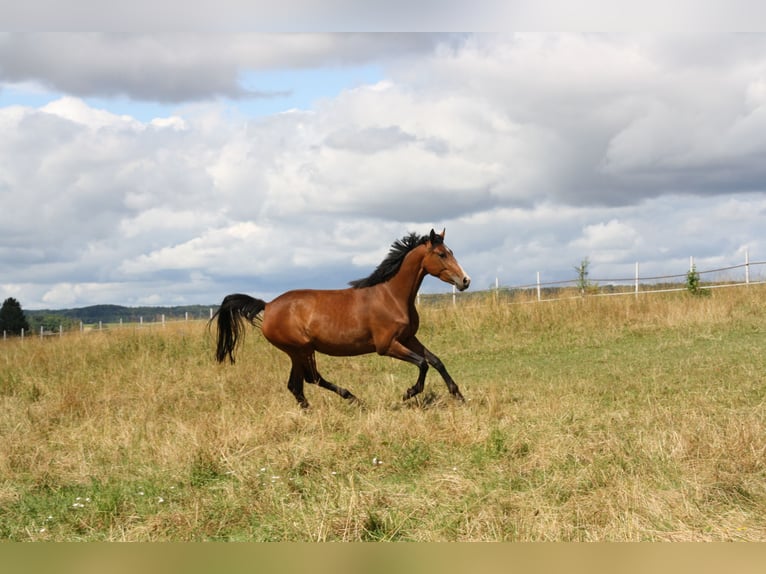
(52, 318)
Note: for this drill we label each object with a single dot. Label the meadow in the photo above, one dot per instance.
(594, 419)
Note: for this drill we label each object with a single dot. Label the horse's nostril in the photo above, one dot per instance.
(466, 281)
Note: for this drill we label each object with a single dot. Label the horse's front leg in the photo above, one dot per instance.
(436, 363)
(398, 351)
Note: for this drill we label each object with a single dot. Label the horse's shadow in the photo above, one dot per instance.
(424, 401)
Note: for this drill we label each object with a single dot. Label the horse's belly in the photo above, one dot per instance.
(343, 346)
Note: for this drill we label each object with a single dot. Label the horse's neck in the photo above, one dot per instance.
(406, 283)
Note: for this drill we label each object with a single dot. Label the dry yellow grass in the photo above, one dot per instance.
(596, 419)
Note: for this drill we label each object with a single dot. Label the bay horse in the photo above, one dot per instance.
(376, 314)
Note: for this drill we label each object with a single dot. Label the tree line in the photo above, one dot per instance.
(13, 318)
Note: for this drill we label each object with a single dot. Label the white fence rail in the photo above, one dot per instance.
(738, 275)
(83, 327)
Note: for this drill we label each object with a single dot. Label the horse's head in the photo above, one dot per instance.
(440, 262)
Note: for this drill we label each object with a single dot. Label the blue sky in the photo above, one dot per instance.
(532, 150)
(288, 89)
(304, 87)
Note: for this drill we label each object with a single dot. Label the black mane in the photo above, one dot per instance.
(393, 261)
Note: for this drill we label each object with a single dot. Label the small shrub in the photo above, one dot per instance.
(693, 283)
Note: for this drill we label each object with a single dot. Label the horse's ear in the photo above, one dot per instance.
(436, 238)
(434, 235)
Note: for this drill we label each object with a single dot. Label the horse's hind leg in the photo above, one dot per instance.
(295, 383)
(345, 393)
(312, 376)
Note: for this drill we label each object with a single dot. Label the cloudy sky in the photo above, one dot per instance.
(174, 168)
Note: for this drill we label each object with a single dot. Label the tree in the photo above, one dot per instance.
(12, 318)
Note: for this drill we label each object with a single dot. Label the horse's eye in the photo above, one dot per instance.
(442, 255)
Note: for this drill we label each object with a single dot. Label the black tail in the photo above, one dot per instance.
(232, 313)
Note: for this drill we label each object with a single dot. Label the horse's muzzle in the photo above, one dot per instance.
(462, 284)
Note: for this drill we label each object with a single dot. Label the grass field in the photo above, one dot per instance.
(596, 419)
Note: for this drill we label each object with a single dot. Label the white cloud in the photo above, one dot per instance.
(165, 222)
(174, 122)
(181, 67)
(75, 110)
(533, 150)
(608, 242)
(610, 235)
(67, 294)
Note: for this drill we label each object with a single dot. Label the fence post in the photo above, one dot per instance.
(636, 278)
(454, 290)
(61, 330)
(538, 286)
(163, 319)
(41, 332)
(22, 333)
(747, 266)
